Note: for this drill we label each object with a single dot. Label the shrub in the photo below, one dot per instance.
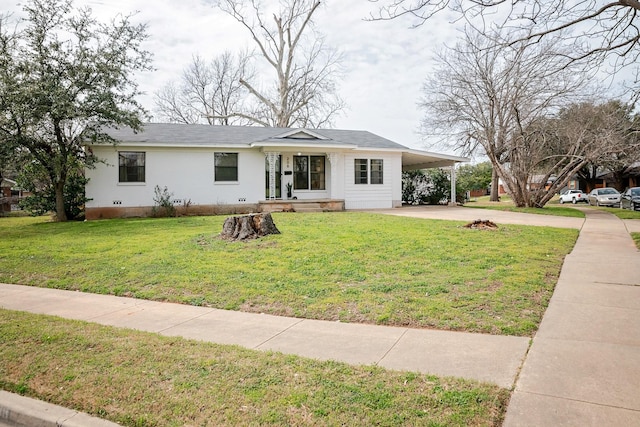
(163, 204)
(42, 199)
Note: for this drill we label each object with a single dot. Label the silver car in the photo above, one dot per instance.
(604, 197)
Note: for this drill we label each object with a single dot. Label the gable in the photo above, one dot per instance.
(300, 134)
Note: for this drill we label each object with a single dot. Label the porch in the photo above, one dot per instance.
(306, 205)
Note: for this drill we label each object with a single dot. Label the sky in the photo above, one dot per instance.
(385, 62)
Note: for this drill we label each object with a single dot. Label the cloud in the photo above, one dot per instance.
(385, 62)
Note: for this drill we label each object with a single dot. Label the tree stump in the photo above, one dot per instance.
(250, 226)
(482, 224)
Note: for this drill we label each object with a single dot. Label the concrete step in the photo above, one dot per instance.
(307, 207)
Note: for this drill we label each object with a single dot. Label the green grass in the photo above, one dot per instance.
(142, 379)
(506, 204)
(353, 267)
(620, 213)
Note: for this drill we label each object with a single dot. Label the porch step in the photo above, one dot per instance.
(317, 205)
(307, 207)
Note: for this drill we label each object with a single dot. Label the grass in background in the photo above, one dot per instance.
(620, 213)
(506, 204)
(142, 379)
(353, 267)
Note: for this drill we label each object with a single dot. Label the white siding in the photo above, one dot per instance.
(373, 196)
(188, 174)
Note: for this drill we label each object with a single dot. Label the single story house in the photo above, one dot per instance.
(234, 169)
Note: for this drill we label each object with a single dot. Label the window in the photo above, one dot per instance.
(376, 171)
(316, 172)
(362, 174)
(308, 173)
(226, 167)
(131, 166)
(300, 172)
(369, 171)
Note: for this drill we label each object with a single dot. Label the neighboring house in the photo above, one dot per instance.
(216, 169)
(10, 195)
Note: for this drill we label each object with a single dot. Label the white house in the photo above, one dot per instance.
(214, 169)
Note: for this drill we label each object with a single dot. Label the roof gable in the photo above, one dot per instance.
(300, 134)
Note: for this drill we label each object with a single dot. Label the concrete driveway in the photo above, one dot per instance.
(456, 213)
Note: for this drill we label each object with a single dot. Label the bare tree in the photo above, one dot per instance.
(492, 97)
(304, 91)
(595, 30)
(580, 135)
(617, 121)
(207, 92)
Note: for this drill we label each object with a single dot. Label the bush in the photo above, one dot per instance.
(163, 205)
(43, 197)
(431, 187)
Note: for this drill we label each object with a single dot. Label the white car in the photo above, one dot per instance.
(606, 196)
(573, 196)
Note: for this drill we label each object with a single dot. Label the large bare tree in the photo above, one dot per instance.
(491, 97)
(303, 89)
(207, 92)
(594, 29)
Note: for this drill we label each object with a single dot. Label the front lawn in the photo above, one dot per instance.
(353, 267)
(143, 379)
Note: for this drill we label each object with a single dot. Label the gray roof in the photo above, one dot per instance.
(206, 135)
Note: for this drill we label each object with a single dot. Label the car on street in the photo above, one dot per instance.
(606, 196)
(630, 199)
(573, 196)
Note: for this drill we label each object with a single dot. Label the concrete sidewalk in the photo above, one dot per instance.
(583, 368)
(490, 358)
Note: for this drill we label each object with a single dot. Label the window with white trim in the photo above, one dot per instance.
(226, 167)
(368, 171)
(309, 173)
(131, 166)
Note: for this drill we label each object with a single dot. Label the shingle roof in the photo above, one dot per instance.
(187, 134)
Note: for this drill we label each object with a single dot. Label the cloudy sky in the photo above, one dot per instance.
(385, 63)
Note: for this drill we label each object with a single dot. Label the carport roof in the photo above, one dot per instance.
(417, 159)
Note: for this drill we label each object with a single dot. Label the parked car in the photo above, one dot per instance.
(573, 196)
(630, 199)
(604, 197)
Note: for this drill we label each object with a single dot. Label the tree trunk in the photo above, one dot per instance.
(495, 188)
(250, 226)
(61, 215)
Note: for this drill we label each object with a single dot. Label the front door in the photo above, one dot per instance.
(278, 177)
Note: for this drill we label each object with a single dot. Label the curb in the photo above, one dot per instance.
(21, 411)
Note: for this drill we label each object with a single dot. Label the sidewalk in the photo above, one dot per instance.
(490, 358)
(583, 368)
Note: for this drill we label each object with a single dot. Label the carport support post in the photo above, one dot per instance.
(452, 202)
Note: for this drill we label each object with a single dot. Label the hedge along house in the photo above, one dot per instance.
(239, 169)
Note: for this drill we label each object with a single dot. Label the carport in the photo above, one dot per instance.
(418, 159)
